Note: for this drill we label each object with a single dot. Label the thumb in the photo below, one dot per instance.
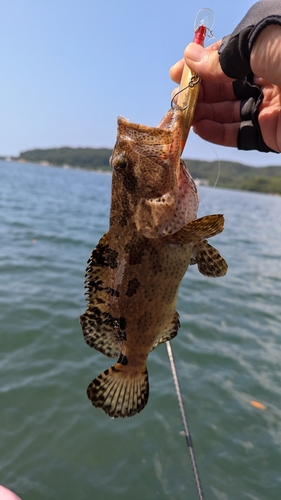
(205, 62)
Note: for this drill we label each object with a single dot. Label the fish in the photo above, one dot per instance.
(133, 275)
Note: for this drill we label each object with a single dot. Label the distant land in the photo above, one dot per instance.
(232, 175)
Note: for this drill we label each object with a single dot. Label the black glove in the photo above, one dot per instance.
(235, 52)
(236, 48)
(249, 135)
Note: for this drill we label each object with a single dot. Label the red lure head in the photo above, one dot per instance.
(200, 34)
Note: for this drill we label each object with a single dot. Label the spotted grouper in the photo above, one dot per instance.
(134, 273)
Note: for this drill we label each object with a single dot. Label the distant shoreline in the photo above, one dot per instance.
(47, 164)
(232, 175)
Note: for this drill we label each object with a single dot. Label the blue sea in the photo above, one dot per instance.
(54, 444)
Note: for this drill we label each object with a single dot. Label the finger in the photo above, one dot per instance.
(270, 126)
(177, 68)
(206, 63)
(215, 102)
(217, 133)
(176, 71)
(214, 46)
(260, 82)
(212, 93)
(220, 112)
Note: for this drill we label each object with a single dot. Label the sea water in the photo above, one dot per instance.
(54, 444)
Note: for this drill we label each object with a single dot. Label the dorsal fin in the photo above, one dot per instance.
(100, 328)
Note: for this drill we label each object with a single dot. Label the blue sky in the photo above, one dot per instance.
(70, 67)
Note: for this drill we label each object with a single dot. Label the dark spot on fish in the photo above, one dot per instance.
(130, 181)
(112, 256)
(120, 211)
(95, 316)
(103, 255)
(95, 285)
(96, 382)
(122, 323)
(112, 292)
(132, 287)
(118, 324)
(122, 360)
(123, 220)
(125, 212)
(110, 320)
(113, 219)
(136, 250)
(121, 336)
(99, 300)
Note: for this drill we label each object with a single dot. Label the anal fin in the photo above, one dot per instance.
(210, 262)
(169, 332)
(119, 392)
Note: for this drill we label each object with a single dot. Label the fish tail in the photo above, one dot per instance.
(119, 392)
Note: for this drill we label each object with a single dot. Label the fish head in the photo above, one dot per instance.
(151, 187)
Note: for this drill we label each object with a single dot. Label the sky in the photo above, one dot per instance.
(70, 67)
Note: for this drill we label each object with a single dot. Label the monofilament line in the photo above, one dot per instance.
(184, 419)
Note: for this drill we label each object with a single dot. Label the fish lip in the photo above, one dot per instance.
(173, 118)
(166, 137)
(187, 203)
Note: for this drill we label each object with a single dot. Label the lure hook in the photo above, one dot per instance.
(192, 82)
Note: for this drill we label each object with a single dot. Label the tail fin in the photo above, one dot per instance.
(119, 392)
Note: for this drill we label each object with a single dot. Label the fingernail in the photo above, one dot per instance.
(194, 52)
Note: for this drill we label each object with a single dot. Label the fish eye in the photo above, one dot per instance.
(119, 162)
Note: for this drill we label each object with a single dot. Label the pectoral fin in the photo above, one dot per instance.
(199, 229)
(210, 262)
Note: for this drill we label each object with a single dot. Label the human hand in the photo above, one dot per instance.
(217, 114)
(241, 114)
(6, 494)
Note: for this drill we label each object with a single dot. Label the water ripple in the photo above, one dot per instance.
(54, 444)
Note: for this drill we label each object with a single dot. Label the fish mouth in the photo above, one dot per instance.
(160, 138)
(187, 203)
(166, 195)
(173, 118)
(188, 199)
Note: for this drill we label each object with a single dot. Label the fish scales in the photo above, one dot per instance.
(134, 273)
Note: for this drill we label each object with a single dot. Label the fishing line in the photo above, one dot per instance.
(185, 424)
(217, 178)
